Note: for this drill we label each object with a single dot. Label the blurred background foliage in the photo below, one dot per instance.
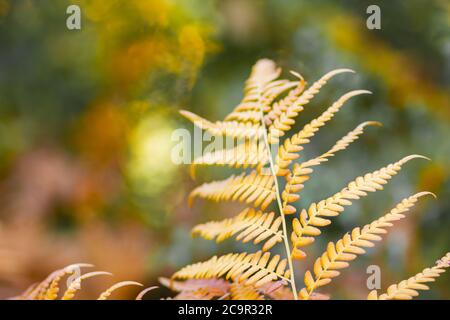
(87, 116)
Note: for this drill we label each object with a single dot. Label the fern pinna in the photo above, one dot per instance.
(259, 125)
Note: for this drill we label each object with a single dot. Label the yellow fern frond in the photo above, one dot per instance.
(353, 135)
(75, 285)
(245, 120)
(244, 292)
(251, 269)
(194, 284)
(279, 293)
(141, 294)
(301, 172)
(234, 129)
(291, 146)
(307, 226)
(263, 73)
(107, 293)
(266, 113)
(408, 289)
(285, 121)
(203, 289)
(260, 91)
(247, 226)
(248, 111)
(244, 155)
(339, 254)
(281, 106)
(252, 188)
(49, 288)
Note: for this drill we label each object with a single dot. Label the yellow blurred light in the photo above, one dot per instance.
(150, 168)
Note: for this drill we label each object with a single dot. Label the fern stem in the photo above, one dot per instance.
(280, 207)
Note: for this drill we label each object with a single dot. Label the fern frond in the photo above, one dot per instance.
(281, 106)
(263, 73)
(244, 292)
(49, 288)
(345, 141)
(281, 292)
(244, 155)
(307, 226)
(194, 284)
(339, 254)
(141, 294)
(247, 226)
(291, 146)
(408, 289)
(251, 269)
(76, 283)
(248, 111)
(252, 188)
(301, 172)
(260, 91)
(107, 293)
(233, 129)
(202, 289)
(285, 121)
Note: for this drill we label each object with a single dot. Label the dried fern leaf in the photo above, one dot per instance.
(195, 284)
(251, 269)
(269, 92)
(244, 121)
(307, 226)
(144, 292)
(254, 188)
(244, 292)
(281, 106)
(263, 74)
(260, 91)
(282, 292)
(249, 225)
(49, 288)
(301, 172)
(244, 155)
(339, 254)
(291, 146)
(234, 129)
(76, 283)
(285, 121)
(107, 293)
(408, 289)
